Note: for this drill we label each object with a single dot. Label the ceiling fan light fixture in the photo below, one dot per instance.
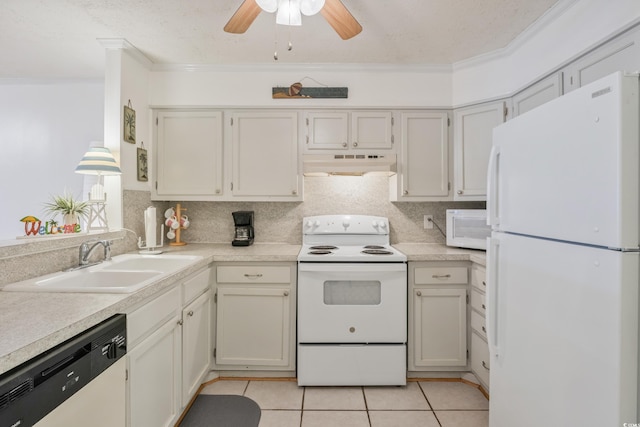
(311, 7)
(289, 13)
(269, 6)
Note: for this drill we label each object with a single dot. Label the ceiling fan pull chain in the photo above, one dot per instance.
(275, 36)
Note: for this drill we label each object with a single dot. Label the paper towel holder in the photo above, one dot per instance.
(151, 250)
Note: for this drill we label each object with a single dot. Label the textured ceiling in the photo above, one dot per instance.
(58, 38)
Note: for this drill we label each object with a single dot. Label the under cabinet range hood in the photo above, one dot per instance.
(348, 164)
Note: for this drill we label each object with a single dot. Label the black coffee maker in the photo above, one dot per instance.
(243, 221)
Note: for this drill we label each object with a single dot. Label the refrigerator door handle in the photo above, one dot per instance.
(492, 292)
(492, 186)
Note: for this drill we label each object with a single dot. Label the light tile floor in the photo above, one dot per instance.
(423, 403)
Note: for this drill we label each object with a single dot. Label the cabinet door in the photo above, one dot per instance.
(425, 155)
(327, 130)
(265, 154)
(196, 345)
(620, 54)
(480, 359)
(154, 378)
(440, 327)
(371, 130)
(537, 94)
(473, 136)
(189, 155)
(253, 327)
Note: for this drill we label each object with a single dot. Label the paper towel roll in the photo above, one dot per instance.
(150, 226)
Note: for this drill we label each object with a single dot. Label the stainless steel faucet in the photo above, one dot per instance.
(86, 249)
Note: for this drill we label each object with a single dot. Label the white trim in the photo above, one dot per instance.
(550, 16)
(49, 81)
(124, 45)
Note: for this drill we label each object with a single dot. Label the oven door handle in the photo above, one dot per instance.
(352, 267)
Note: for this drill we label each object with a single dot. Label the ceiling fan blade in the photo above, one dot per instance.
(340, 19)
(244, 16)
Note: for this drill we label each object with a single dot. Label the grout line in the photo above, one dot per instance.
(429, 403)
(304, 392)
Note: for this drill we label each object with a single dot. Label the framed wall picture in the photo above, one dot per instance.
(143, 165)
(129, 124)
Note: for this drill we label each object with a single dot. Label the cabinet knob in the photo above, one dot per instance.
(344, 144)
(180, 322)
(352, 329)
(294, 192)
(484, 283)
(190, 313)
(419, 293)
(484, 365)
(286, 293)
(405, 192)
(459, 191)
(484, 307)
(217, 191)
(355, 144)
(484, 329)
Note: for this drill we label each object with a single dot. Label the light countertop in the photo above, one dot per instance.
(33, 322)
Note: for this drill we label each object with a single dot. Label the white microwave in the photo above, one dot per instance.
(467, 228)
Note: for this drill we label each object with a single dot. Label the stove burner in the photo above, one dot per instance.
(319, 252)
(374, 247)
(323, 247)
(376, 252)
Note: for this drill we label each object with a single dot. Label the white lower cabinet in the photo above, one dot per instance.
(479, 347)
(169, 352)
(255, 320)
(437, 316)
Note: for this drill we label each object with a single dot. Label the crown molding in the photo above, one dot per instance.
(550, 16)
(125, 46)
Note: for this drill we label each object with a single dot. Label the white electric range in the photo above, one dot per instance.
(352, 303)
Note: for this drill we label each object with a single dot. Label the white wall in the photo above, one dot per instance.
(373, 86)
(45, 128)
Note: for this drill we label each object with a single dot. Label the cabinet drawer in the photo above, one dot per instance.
(477, 302)
(441, 275)
(254, 274)
(479, 323)
(152, 315)
(195, 285)
(480, 359)
(479, 277)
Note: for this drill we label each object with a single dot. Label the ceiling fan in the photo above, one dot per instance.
(333, 11)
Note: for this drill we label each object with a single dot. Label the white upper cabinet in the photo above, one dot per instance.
(371, 130)
(621, 54)
(423, 172)
(537, 94)
(265, 156)
(473, 135)
(349, 130)
(327, 130)
(188, 155)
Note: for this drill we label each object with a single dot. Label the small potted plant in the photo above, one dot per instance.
(70, 208)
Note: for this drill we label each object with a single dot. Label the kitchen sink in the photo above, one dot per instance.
(163, 263)
(122, 274)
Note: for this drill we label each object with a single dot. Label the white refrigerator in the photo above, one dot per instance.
(563, 261)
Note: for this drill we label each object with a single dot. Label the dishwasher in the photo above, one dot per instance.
(82, 377)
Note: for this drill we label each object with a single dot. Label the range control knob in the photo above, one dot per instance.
(383, 225)
(375, 224)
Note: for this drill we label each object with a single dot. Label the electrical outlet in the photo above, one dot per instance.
(428, 222)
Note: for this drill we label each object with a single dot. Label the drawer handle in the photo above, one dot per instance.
(286, 293)
(484, 307)
(190, 313)
(484, 329)
(419, 293)
(441, 276)
(484, 365)
(252, 276)
(484, 283)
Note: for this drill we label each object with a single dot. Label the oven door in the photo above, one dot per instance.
(352, 303)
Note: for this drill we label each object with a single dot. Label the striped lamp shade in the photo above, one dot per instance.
(98, 161)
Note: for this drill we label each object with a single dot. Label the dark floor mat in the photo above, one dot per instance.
(209, 410)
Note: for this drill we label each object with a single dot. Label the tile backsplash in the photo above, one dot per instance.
(281, 222)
